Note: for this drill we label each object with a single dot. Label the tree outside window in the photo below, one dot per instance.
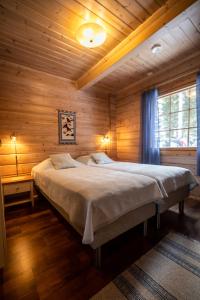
(177, 119)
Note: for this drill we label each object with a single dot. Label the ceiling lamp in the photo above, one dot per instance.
(156, 49)
(91, 35)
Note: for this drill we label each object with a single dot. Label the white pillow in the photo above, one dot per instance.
(77, 163)
(86, 160)
(101, 158)
(44, 165)
(62, 161)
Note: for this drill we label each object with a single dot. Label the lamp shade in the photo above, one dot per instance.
(91, 35)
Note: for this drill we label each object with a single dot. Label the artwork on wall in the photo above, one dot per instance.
(67, 127)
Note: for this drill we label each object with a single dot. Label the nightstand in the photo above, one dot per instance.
(16, 186)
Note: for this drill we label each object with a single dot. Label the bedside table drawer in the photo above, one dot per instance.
(15, 188)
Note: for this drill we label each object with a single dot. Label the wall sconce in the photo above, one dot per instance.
(106, 139)
(14, 141)
(106, 142)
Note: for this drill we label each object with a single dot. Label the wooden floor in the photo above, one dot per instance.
(46, 259)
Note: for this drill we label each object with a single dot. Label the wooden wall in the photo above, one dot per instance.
(128, 127)
(29, 100)
(128, 130)
(112, 126)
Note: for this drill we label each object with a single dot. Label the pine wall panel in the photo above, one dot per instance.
(128, 128)
(29, 101)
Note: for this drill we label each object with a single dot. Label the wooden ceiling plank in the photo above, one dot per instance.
(195, 8)
(150, 5)
(116, 9)
(12, 47)
(21, 57)
(30, 78)
(41, 35)
(135, 9)
(134, 63)
(37, 38)
(21, 43)
(138, 62)
(106, 15)
(151, 60)
(191, 32)
(25, 10)
(88, 12)
(34, 15)
(61, 11)
(76, 9)
(116, 56)
(174, 49)
(168, 39)
(194, 14)
(65, 66)
(175, 53)
(181, 39)
(161, 65)
(189, 63)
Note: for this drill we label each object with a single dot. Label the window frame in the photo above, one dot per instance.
(169, 94)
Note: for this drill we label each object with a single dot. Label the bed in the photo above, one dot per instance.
(99, 203)
(174, 182)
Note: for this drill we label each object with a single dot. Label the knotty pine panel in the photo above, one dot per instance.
(29, 100)
(128, 127)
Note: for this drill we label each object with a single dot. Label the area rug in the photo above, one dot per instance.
(171, 270)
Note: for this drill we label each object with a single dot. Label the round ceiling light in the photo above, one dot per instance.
(91, 35)
(156, 49)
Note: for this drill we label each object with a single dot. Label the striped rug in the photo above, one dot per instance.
(171, 270)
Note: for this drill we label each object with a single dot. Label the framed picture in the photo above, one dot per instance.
(67, 127)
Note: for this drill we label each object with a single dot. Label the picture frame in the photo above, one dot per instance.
(67, 127)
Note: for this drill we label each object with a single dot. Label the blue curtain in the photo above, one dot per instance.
(150, 144)
(198, 122)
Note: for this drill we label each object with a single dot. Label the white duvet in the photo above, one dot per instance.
(94, 197)
(169, 178)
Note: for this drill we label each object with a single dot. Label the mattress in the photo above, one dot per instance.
(169, 178)
(94, 197)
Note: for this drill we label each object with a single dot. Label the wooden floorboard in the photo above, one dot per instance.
(46, 259)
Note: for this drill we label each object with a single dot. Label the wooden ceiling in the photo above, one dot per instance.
(180, 40)
(41, 34)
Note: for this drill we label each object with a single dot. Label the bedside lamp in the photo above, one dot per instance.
(14, 141)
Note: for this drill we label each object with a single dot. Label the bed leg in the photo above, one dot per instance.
(157, 216)
(97, 254)
(145, 225)
(158, 220)
(181, 207)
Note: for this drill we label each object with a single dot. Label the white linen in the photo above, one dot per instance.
(85, 159)
(94, 197)
(101, 158)
(169, 178)
(62, 161)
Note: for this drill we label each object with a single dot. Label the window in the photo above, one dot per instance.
(177, 120)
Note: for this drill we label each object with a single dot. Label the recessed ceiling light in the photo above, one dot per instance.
(156, 49)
